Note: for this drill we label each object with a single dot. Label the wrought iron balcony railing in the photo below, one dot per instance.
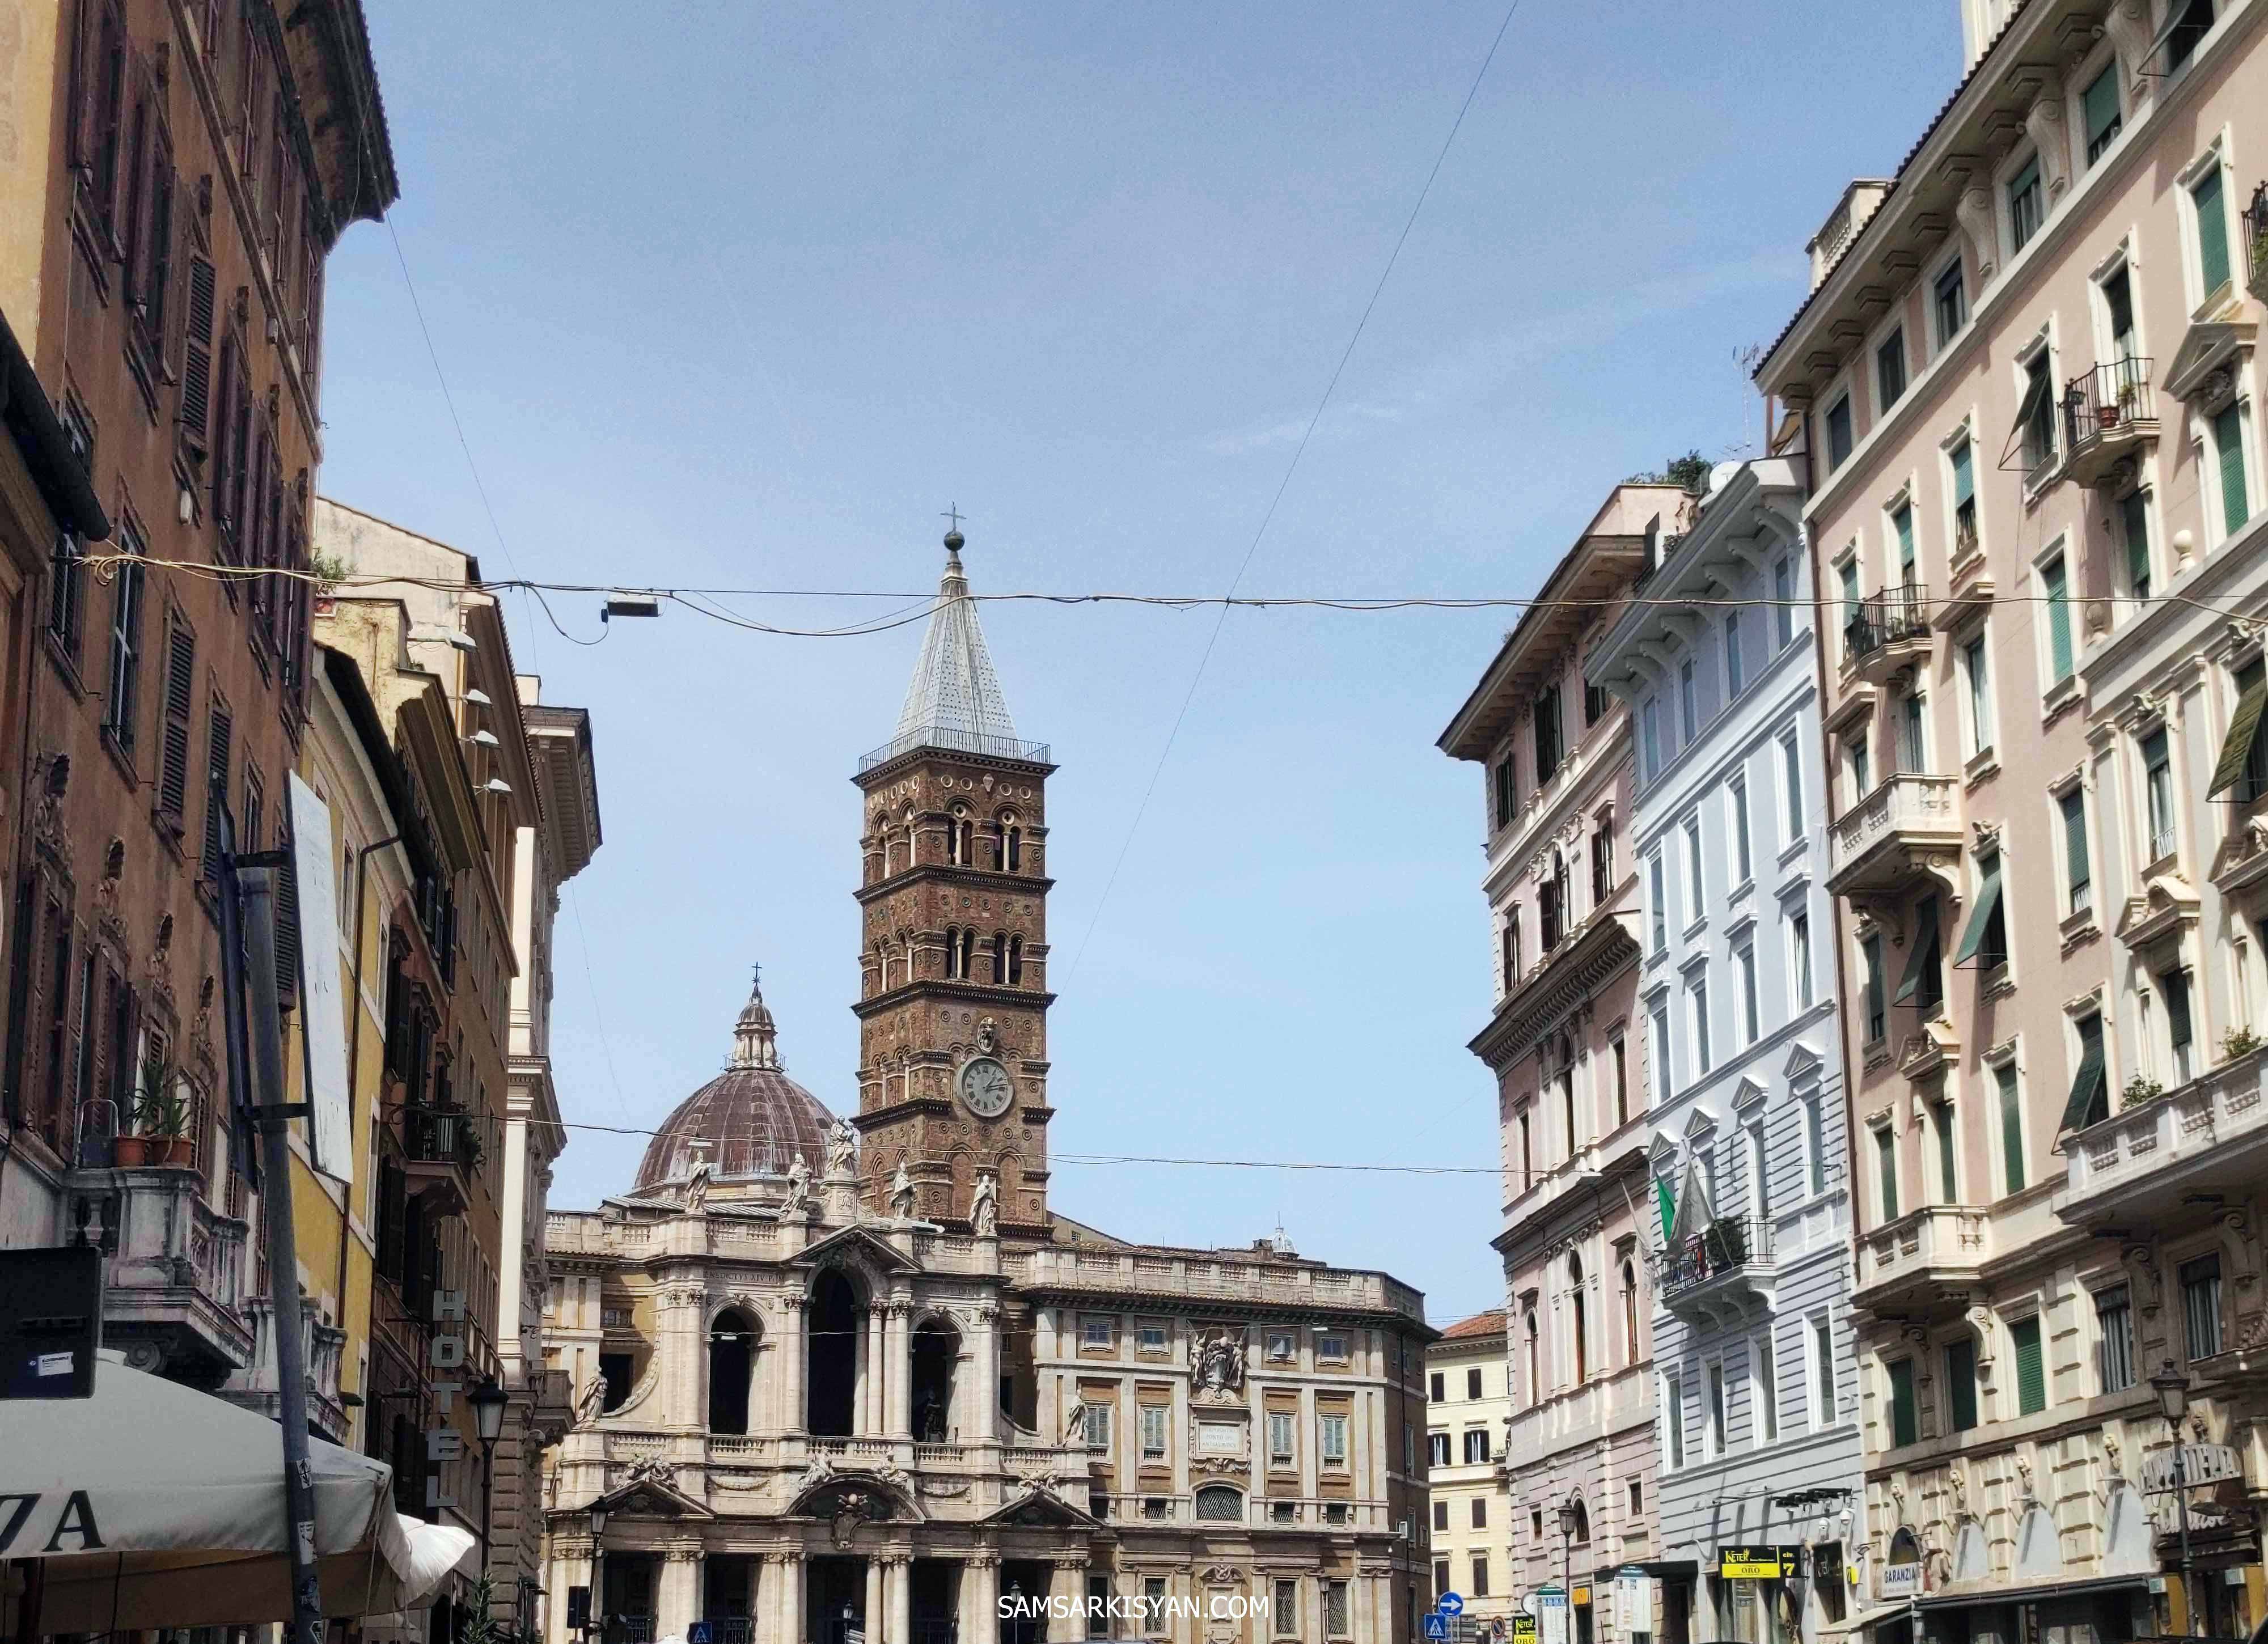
(2255, 243)
(1727, 1246)
(1883, 618)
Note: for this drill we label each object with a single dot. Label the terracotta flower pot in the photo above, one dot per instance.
(2108, 416)
(130, 1152)
(173, 1150)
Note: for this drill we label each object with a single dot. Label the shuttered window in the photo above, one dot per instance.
(2114, 1330)
(2012, 1128)
(197, 352)
(220, 733)
(2052, 583)
(2134, 516)
(2031, 1366)
(2228, 446)
(2090, 1098)
(2201, 1307)
(1905, 1424)
(2211, 202)
(181, 703)
(121, 699)
(2077, 872)
(2101, 105)
(1961, 1385)
(1886, 1160)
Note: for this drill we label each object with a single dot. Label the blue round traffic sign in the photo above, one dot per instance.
(1450, 1604)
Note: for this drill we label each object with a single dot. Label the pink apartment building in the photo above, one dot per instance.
(1565, 1043)
(2025, 384)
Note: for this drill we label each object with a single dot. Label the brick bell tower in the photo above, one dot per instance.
(953, 999)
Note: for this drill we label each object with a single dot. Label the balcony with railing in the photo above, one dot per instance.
(1888, 632)
(2255, 243)
(2109, 414)
(2203, 1142)
(321, 1348)
(175, 1281)
(1908, 827)
(442, 1155)
(1923, 1260)
(1718, 1272)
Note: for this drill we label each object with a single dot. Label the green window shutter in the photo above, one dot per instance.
(2237, 746)
(1988, 903)
(2101, 107)
(2031, 1366)
(1961, 1384)
(2134, 513)
(1921, 956)
(2051, 580)
(2074, 838)
(2088, 1089)
(2229, 440)
(2212, 231)
(1903, 520)
(1886, 1158)
(1964, 474)
(1904, 1427)
(2012, 1128)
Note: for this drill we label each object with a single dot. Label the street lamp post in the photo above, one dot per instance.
(1568, 1513)
(2173, 1387)
(598, 1571)
(488, 1401)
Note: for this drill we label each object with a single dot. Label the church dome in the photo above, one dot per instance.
(750, 1120)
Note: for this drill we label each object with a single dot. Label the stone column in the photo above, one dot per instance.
(791, 1349)
(897, 1355)
(980, 1597)
(1047, 1406)
(898, 1583)
(1069, 1623)
(877, 1599)
(871, 1413)
(788, 1592)
(979, 1422)
(572, 1562)
(684, 1345)
(677, 1605)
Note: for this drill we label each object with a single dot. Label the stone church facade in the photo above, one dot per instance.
(848, 1380)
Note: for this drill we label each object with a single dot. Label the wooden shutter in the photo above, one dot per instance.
(181, 702)
(2076, 867)
(224, 445)
(2212, 230)
(2031, 1366)
(197, 352)
(219, 732)
(2058, 621)
(2012, 1129)
(287, 926)
(2229, 442)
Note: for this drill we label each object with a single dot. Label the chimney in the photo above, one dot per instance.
(1859, 203)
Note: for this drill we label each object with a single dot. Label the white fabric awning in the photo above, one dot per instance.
(151, 1504)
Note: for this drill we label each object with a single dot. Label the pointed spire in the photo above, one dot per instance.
(954, 699)
(755, 1039)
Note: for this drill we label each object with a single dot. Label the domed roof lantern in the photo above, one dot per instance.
(755, 1039)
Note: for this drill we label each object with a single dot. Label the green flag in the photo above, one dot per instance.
(1669, 1207)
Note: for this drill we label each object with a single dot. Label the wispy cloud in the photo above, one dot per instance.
(1484, 365)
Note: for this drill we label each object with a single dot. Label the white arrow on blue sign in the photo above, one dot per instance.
(1450, 1604)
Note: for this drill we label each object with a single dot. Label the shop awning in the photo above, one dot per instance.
(2031, 1592)
(2237, 746)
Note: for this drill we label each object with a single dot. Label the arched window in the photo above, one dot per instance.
(1511, 950)
(935, 1350)
(731, 1358)
(1563, 1056)
(1015, 961)
(1000, 958)
(1577, 1320)
(967, 970)
(1629, 1312)
(957, 839)
(1582, 1522)
(1550, 905)
(1012, 834)
(1219, 1504)
(1535, 1363)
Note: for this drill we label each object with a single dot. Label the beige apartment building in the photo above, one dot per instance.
(2026, 387)
(1580, 1060)
(1467, 1383)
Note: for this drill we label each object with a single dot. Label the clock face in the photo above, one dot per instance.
(985, 1086)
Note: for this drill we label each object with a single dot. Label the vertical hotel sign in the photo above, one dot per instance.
(445, 1353)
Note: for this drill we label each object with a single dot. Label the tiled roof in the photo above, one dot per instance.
(1488, 1323)
(1983, 57)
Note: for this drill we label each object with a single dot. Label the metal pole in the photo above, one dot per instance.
(2182, 1511)
(257, 897)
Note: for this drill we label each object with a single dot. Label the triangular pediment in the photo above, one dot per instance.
(1749, 1091)
(1038, 1507)
(861, 1246)
(652, 1492)
(2205, 348)
(1803, 1061)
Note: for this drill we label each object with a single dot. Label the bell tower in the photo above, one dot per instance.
(953, 999)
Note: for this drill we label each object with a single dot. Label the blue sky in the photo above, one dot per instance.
(745, 297)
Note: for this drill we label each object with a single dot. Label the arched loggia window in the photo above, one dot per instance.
(999, 957)
(731, 1361)
(1015, 961)
(1011, 844)
(952, 952)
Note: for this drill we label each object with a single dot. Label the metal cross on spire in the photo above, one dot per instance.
(953, 512)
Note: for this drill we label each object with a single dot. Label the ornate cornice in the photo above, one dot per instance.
(1569, 978)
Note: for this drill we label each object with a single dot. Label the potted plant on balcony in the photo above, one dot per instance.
(2109, 416)
(161, 1117)
(2140, 1089)
(2238, 1041)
